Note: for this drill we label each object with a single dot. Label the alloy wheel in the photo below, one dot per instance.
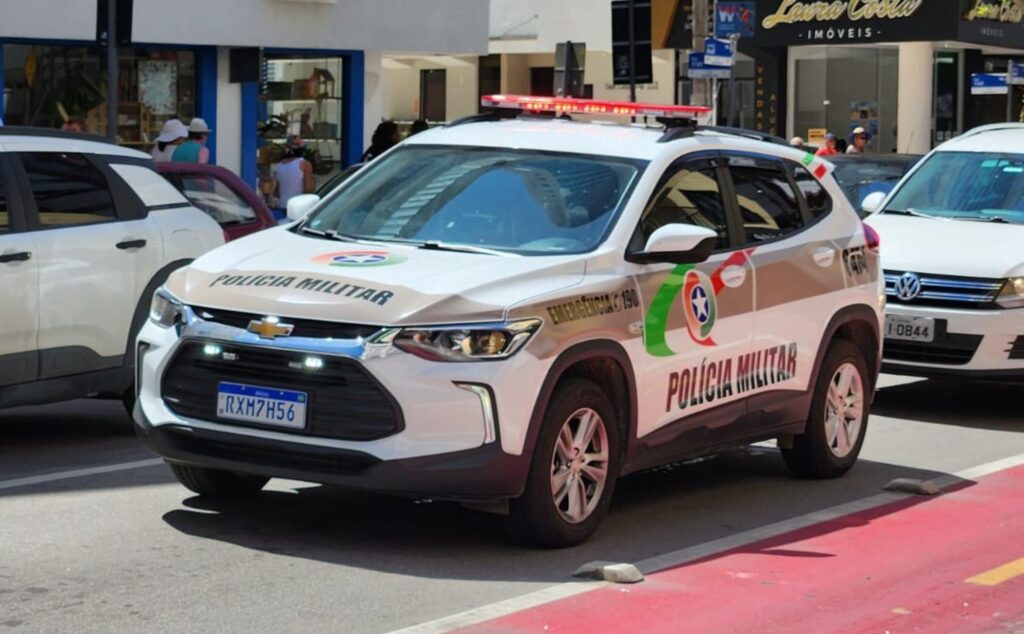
(579, 465)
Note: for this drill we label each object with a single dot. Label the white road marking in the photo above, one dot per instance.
(679, 557)
(78, 473)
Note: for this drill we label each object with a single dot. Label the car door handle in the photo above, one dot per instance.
(20, 256)
(131, 244)
(824, 256)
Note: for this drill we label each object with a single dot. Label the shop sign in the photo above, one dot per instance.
(800, 22)
(698, 68)
(816, 136)
(1011, 11)
(735, 18)
(1016, 76)
(988, 84)
(718, 52)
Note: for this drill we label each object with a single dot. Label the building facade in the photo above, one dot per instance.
(314, 67)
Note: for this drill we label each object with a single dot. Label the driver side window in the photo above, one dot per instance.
(691, 195)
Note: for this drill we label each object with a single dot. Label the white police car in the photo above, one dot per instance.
(513, 311)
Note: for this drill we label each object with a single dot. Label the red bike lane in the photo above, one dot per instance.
(951, 563)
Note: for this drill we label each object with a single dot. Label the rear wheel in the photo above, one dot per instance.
(217, 483)
(830, 444)
(572, 475)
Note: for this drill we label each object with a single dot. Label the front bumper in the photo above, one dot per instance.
(983, 344)
(483, 473)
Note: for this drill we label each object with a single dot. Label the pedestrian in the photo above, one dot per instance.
(73, 124)
(294, 172)
(172, 134)
(829, 149)
(419, 125)
(194, 150)
(858, 141)
(797, 142)
(384, 138)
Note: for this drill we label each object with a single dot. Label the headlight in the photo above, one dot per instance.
(166, 309)
(1012, 295)
(467, 343)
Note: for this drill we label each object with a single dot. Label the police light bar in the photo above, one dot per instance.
(567, 105)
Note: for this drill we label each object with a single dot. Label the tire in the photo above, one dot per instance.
(825, 449)
(539, 517)
(215, 483)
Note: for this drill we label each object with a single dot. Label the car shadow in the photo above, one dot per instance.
(972, 404)
(653, 512)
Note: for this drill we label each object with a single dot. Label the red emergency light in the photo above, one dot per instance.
(566, 105)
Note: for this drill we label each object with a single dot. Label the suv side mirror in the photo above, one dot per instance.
(872, 202)
(299, 206)
(678, 244)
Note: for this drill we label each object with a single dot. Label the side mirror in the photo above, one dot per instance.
(872, 202)
(678, 244)
(299, 206)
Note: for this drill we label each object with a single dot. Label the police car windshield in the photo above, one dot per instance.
(517, 201)
(965, 186)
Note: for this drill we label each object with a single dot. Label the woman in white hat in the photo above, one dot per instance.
(171, 135)
(194, 150)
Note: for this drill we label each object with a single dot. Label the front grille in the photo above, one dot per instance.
(1016, 350)
(345, 401)
(947, 349)
(303, 327)
(945, 291)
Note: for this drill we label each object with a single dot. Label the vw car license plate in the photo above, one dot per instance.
(266, 405)
(909, 328)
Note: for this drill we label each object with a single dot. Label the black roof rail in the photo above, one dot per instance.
(756, 135)
(23, 130)
(497, 114)
(677, 128)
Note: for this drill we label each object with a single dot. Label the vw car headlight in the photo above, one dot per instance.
(166, 309)
(1012, 295)
(467, 343)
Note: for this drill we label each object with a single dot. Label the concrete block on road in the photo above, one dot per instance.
(915, 487)
(609, 571)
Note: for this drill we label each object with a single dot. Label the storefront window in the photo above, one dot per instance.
(301, 96)
(46, 85)
(840, 88)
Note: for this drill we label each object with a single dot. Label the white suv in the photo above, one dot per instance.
(953, 230)
(513, 313)
(87, 232)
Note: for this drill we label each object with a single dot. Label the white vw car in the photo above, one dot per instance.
(953, 231)
(513, 313)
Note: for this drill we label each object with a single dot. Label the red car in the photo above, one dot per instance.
(216, 190)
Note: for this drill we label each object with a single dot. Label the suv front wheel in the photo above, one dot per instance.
(835, 430)
(572, 474)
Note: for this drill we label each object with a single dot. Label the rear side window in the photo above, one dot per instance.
(218, 200)
(68, 189)
(819, 202)
(690, 196)
(768, 203)
(5, 216)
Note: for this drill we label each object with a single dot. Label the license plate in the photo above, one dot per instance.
(265, 405)
(909, 328)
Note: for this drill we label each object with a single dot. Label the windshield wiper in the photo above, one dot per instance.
(434, 245)
(999, 219)
(910, 211)
(330, 234)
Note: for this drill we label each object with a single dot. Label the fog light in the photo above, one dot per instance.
(313, 363)
(211, 349)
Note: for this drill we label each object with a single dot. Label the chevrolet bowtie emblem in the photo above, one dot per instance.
(270, 328)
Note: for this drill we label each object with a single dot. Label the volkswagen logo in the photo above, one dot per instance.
(908, 286)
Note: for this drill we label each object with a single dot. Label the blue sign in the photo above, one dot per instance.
(700, 69)
(735, 18)
(988, 84)
(1016, 73)
(718, 52)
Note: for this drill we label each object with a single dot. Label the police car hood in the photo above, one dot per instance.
(965, 248)
(277, 272)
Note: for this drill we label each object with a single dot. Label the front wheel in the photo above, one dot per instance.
(216, 483)
(572, 474)
(830, 444)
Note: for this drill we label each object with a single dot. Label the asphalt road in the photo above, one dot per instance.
(131, 550)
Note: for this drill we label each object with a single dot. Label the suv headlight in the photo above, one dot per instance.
(166, 309)
(1012, 295)
(467, 343)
